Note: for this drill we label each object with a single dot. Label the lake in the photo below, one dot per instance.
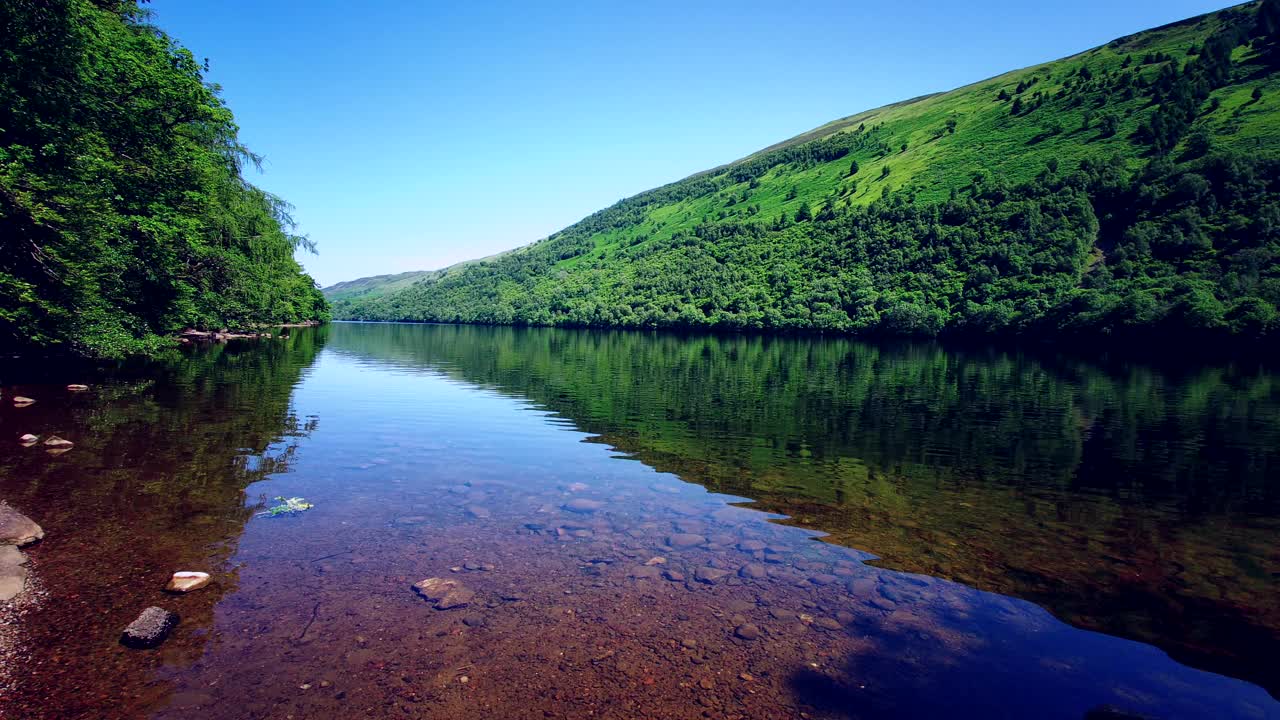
(648, 525)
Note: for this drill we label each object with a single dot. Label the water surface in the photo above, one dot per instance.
(846, 530)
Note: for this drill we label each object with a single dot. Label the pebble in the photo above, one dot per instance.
(747, 631)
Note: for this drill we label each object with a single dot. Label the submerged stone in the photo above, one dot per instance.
(150, 629)
(685, 540)
(444, 594)
(583, 505)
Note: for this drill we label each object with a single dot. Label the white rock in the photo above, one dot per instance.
(184, 581)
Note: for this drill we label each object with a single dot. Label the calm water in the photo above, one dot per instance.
(844, 530)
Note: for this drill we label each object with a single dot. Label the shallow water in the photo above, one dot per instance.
(847, 530)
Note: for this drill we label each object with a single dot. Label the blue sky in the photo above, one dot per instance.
(412, 135)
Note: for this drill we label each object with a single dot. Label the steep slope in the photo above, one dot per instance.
(1132, 188)
(124, 211)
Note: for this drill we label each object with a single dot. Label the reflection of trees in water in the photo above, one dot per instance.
(1115, 496)
(155, 483)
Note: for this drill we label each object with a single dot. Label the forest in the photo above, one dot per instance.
(1126, 192)
(125, 213)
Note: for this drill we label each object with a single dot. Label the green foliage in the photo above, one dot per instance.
(287, 506)
(1156, 218)
(124, 213)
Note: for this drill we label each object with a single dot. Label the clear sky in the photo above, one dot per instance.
(414, 134)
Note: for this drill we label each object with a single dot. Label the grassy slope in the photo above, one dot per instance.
(989, 140)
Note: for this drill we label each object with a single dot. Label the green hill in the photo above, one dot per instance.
(375, 285)
(1129, 190)
(125, 214)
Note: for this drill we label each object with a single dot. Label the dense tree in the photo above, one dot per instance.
(124, 212)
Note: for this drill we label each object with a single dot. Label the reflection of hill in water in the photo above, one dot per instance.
(158, 473)
(1129, 501)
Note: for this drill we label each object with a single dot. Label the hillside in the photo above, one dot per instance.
(375, 285)
(1131, 189)
(125, 215)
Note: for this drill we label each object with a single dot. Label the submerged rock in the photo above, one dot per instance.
(709, 575)
(184, 581)
(747, 631)
(16, 528)
(685, 540)
(583, 505)
(150, 629)
(444, 594)
(755, 571)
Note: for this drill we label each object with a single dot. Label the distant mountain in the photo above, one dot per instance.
(1133, 189)
(375, 285)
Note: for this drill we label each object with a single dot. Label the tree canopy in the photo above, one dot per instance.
(125, 214)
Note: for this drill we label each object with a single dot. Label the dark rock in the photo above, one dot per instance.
(150, 629)
(16, 528)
